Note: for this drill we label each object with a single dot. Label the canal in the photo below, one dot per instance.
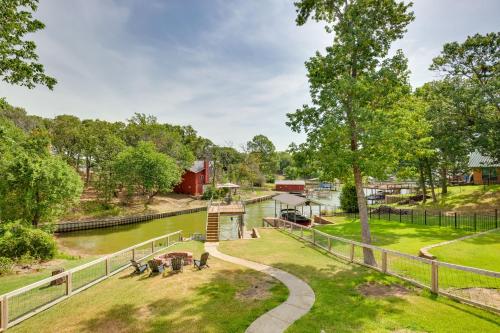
(112, 239)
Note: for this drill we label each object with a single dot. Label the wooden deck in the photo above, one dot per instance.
(231, 209)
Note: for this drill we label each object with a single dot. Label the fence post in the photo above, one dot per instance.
(301, 232)
(399, 214)
(425, 216)
(496, 218)
(390, 213)
(455, 220)
(475, 221)
(379, 212)
(168, 241)
(411, 216)
(351, 254)
(329, 244)
(133, 254)
(108, 266)
(313, 237)
(5, 313)
(384, 262)
(152, 246)
(434, 277)
(69, 283)
(439, 218)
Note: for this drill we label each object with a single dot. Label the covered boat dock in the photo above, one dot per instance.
(293, 201)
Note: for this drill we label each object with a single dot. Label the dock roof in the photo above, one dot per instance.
(294, 200)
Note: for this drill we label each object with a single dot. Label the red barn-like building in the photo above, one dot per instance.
(290, 185)
(194, 178)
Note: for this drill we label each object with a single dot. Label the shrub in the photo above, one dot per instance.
(214, 193)
(348, 199)
(22, 241)
(6, 265)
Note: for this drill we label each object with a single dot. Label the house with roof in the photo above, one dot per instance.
(484, 169)
(194, 179)
(290, 185)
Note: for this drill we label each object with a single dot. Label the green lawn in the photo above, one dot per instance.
(465, 198)
(482, 251)
(393, 235)
(340, 307)
(222, 298)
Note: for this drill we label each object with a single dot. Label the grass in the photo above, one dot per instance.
(393, 235)
(193, 301)
(340, 307)
(465, 198)
(14, 281)
(481, 251)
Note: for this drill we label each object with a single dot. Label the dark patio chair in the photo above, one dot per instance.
(202, 262)
(139, 268)
(156, 267)
(177, 264)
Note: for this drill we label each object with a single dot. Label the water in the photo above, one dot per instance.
(108, 240)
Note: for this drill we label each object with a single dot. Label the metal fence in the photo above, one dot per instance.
(467, 284)
(471, 221)
(20, 304)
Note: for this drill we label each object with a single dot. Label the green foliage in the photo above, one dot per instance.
(18, 240)
(18, 58)
(35, 185)
(474, 66)
(6, 265)
(265, 155)
(349, 199)
(212, 192)
(146, 171)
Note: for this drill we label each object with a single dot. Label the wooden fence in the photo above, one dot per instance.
(470, 285)
(23, 303)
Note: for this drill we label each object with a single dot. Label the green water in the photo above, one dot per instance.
(108, 240)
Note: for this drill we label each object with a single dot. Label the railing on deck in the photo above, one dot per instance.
(21, 304)
(467, 284)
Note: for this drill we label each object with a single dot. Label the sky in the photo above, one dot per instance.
(231, 69)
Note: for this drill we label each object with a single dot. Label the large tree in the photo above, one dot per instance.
(264, 152)
(353, 87)
(144, 170)
(35, 185)
(18, 58)
(476, 64)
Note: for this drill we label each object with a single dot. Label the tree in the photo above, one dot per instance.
(66, 138)
(36, 186)
(353, 87)
(476, 64)
(18, 58)
(265, 152)
(146, 171)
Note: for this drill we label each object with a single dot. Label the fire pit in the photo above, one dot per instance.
(167, 257)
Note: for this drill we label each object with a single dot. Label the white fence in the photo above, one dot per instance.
(20, 304)
(470, 285)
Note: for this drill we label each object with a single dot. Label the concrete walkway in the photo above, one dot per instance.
(299, 302)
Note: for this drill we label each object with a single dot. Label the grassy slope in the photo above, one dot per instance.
(482, 251)
(192, 301)
(339, 307)
(393, 235)
(466, 198)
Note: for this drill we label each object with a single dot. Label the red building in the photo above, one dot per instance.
(194, 178)
(290, 185)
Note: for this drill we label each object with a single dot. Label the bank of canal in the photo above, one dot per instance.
(111, 239)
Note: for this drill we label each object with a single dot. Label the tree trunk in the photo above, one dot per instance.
(444, 180)
(87, 170)
(431, 180)
(422, 182)
(36, 217)
(366, 237)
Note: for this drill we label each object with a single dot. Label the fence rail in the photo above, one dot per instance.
(470, 285)
(471, 221)
(23, 303)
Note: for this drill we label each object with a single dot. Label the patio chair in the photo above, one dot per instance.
(202, 262)
(177, 264)
(156, 266)
(139, 268)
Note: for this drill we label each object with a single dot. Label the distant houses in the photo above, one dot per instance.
(194, 178)
(484, 169)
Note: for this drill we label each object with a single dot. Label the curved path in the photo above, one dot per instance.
(299, 302)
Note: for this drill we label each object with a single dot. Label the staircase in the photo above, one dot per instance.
(213, 227)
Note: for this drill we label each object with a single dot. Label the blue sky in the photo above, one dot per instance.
(231, 69)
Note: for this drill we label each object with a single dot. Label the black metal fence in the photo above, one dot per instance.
(471, 221)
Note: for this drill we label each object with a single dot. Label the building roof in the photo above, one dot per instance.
(476, 160)
(199, 166)
(293, 200)
(290, 182)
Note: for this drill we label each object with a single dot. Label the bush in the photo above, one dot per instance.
(214, 193)
(22, 241)
(349, 199)
(6, 265)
